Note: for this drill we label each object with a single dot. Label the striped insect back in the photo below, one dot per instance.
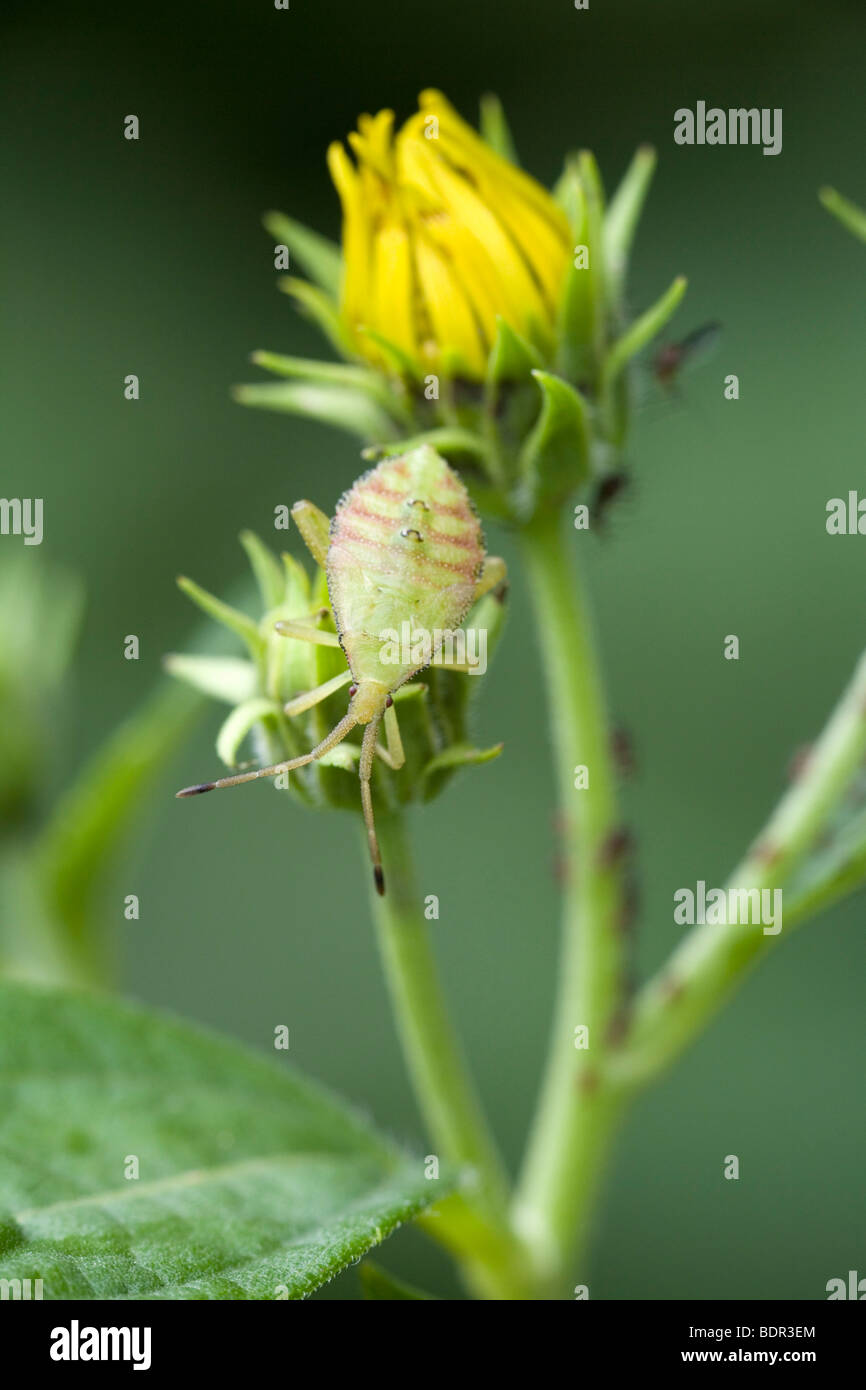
(405, 547)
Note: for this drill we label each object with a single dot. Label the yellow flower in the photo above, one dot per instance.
(441, 236)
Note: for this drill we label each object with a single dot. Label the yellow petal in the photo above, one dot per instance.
(393, 310)
(450, 315)
(356, 237)
(518, 292)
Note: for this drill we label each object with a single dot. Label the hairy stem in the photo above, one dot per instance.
(473, 1224)
(574, 1120)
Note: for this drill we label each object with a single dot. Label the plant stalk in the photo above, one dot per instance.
(575, 1119)
(472, 1224)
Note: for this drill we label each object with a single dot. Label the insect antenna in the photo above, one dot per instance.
(337, 734)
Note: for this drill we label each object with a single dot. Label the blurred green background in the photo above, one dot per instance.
(149, 257)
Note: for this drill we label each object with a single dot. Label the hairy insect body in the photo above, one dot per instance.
(405, 546)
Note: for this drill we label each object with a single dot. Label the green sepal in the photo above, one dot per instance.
(297, 593)
(339, 374)
(636, 337)
(401, 364)
(450, 760)
(223, 613)
(512, 357)
(239, 724)
(596, 274)
(348, 408)
(623, 214)
(319, 257)
(568, 193)
(231, 679)
(266, 568)
(555, 458)
(323, 310)
(495, 130)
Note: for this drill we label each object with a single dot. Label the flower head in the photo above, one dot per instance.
(477, 311)
(443, 237)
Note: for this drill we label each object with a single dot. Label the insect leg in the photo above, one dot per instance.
(393, 756)
(337, 734)
(368, 751)
(493, 572)
(319, 693)
(315, 529)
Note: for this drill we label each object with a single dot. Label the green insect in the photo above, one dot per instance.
(405, 547)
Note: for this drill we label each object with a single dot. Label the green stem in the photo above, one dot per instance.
(474, 1223)
(574, 1120)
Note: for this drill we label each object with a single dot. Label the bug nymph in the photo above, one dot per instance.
(404, 548)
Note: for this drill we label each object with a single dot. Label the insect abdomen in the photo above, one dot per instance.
(406, 546)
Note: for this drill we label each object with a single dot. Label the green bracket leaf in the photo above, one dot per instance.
(228, 678)
(339, 374)
(320, 258)
(494, 128)
(323, 310)
(223, 613)
(623, 215)
(848, 213)
(511, 358)
(267, 569)
(555, 458)
(252, 1182)
(346, 407)
(239, 723)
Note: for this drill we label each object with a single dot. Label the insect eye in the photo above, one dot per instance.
(409, 531)
(389, 702)
(353, 690)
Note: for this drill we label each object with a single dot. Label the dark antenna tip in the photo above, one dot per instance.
(379, 879)
(195, 791)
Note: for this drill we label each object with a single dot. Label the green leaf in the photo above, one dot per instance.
(239, 723)
(555, 457)
(71, 855)
(848, 213)
(253, 1183)
(320, 258)
(346, 407)
(623, 214)
(494, 128)
(378, 1285)
(228, 678)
